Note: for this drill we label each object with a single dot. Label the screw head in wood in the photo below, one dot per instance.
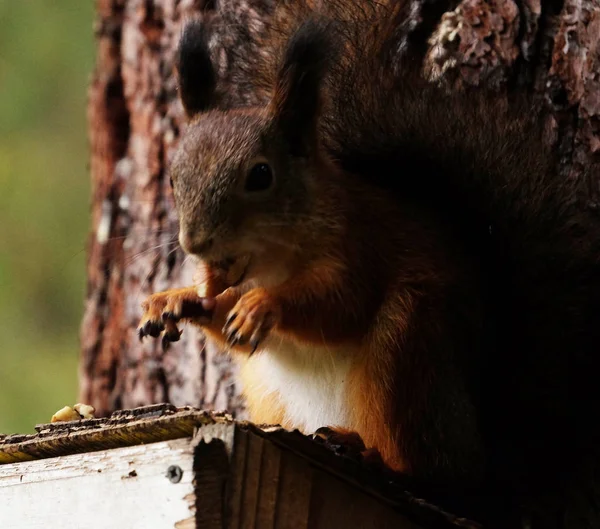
(174, 473)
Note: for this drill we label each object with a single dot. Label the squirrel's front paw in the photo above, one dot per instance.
(162, 311)
(250, 321)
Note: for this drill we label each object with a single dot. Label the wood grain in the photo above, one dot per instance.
(125, 488)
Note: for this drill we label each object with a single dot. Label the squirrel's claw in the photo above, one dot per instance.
(170, 316)
(169, 337)
(230, 319)
(164, 310)
(172, 333)
(152, 328)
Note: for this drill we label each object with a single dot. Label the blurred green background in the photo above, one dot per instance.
(46, 59)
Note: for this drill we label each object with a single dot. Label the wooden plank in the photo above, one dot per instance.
(269, 487)
(295, 483)
(211, 464)
(334, 503)
(126, 488)
(252, 472)
(236, 480)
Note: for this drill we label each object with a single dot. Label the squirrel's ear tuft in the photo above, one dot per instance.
(196, 75)
(295, 104)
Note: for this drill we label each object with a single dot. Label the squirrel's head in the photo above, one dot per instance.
(245, 180)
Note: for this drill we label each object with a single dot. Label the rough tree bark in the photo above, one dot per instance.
(551, 48)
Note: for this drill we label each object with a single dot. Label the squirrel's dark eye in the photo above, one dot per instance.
(260, 178)
(171, 181)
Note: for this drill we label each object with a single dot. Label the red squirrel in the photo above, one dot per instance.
(385, 258)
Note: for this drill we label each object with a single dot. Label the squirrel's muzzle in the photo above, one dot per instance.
(194, 242)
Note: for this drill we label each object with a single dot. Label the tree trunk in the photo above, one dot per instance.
(134, 119)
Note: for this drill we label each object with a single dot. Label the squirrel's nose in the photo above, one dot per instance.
(194, 242)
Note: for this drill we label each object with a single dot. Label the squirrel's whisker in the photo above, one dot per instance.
(132, 258)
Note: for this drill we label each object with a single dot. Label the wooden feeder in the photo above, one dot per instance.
(161, 467)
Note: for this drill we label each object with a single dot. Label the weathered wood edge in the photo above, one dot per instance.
(148, 424)
(165, 422)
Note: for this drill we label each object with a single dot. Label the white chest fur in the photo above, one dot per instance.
(311, 382)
